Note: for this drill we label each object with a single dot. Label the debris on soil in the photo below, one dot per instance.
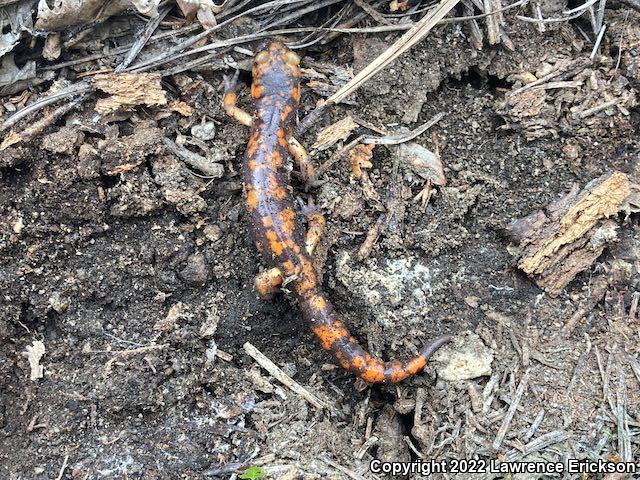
(128, 90)
(554, 246)
(360, 158)
(34, 354)
(335, 132)
(465, 358)
(283, 378)
(420, 161)
(66, 13)
(124, 245)
(568, 96)
(395, 293)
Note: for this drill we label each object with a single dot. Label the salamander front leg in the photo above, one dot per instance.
(268, 283)
(302, 158)
(230, 99)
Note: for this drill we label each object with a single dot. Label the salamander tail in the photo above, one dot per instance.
(335, 338)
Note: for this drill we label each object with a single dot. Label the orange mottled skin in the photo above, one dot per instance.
(278, 234)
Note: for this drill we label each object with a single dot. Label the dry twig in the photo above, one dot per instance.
(285, 379)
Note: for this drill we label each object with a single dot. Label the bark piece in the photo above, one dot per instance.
(554, 246)
(129, 90)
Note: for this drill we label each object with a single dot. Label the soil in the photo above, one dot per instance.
(136, 275)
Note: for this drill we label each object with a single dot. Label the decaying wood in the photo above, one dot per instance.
(128, 90)
(556, 245)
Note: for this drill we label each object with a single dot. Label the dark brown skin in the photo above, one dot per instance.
(277, 231)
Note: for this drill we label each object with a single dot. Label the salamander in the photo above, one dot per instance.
(278, 231)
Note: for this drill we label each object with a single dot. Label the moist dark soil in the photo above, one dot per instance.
(136, 275)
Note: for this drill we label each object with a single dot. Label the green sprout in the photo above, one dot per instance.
(253, 473)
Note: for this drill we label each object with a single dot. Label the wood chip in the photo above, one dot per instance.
(359, 158)
(181, 107)
(128, 90)
(334, 133)
(555, 246)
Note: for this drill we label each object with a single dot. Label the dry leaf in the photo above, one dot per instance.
(34, 353)
(18, 17)
(203, 9)
(129, 90)
(12, 78)
(335, 132)
(66, 13)
(421, 161)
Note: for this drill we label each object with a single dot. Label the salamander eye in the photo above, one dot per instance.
(291, 58)
(262, 57)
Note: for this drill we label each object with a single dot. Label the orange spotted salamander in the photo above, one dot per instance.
(278, 235)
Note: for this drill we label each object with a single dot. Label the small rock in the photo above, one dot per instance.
(196, 271)
(465, 358)
(18, 226)
(213, 233)
(58, 303)
(205, 131)
(572, 152)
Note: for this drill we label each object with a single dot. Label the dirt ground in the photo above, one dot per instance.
(136, 276)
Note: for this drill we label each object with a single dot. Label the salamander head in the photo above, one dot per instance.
(276, 74)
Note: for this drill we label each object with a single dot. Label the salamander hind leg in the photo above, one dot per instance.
(268, 283)
(230, 99)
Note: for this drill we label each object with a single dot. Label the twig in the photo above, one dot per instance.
(487, 392)
(37, 127)
(372, 12)
(283, 378)
(63, 467)
(560, 70)
(596, 46)
(493, 24)
(206, 166)
(345, 470)
(142, 40)
(598, 108)
(76, 89)
(402, 138)
(535, 425)
(600, 14)
(635, 366)
(597, 294)
(540, 443)
(334, 158)
(404, 43)
(622, 419)
(372, 237)
(502, 431)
